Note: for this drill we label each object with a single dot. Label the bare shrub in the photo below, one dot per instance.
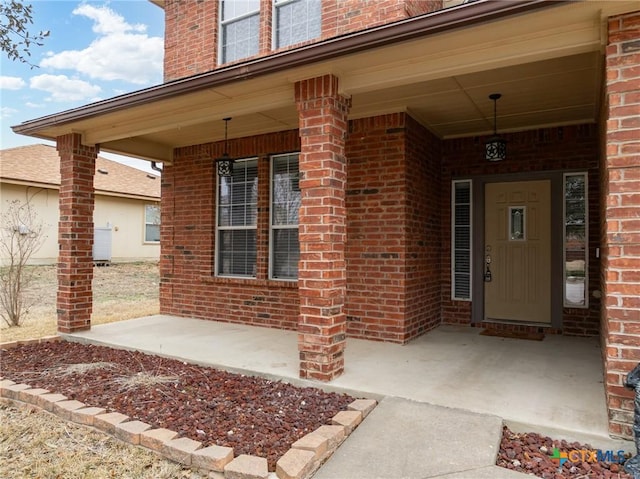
(21, 235)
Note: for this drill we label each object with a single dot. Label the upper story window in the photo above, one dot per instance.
(152, 223)
(240, 29)
(296, 21)
(237, 220)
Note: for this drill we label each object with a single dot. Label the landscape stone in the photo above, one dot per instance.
(212, 458)
(63, 408)
(247, 467)
(365, 406)
(295, 464)
(334, 434)
(5, 383)
(314, 442)
(86, 415)
(130, 431)
(180, 449)
(348, 419)
(30, 395)
(46, 401)
(107, 422)
(155, 438)
(13, 391)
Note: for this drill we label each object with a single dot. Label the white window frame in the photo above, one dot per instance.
(277, 4)
(147, 223)
(223, 23)
(453, 240)
(586, 239)
(219, 228)
(273, 227)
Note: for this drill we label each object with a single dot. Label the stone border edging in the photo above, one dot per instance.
(304, 457)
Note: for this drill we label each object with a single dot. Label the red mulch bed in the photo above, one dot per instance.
(252, 415)
(531, 453)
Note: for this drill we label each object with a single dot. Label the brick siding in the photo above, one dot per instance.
(393, 238)
(322, 227)
(621, 231)
(187, 284)
(192, 28)
(75, 234)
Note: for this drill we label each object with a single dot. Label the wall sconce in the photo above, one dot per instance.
(225, 162)
(496, 147)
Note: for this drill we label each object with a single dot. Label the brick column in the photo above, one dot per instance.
(322, 227)
(621, 239)
(75, 233)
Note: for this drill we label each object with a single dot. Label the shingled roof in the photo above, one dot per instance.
(39, 165)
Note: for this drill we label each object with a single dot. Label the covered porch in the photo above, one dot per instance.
(422, 86)
(553, 386)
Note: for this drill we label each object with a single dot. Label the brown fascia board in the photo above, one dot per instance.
(436, 22)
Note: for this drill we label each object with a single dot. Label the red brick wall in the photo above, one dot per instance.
(423, 230)
(393, 287)
(376, 206)
(191, 27)
(75, 233)
(564, 148)
(322, 227)
(188, 287)
(393, 277)
(621, 232)
(190, 37)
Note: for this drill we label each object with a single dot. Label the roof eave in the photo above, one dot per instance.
(424, 25)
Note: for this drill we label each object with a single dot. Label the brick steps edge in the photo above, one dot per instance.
(300, 462)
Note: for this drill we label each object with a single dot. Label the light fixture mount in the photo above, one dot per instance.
(224, 163)
(496, 147)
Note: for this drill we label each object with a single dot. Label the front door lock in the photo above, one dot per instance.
(487, 272)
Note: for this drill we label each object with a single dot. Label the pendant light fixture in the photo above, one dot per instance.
(496, 147)
(225, 162)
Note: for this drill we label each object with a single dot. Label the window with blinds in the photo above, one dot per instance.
(461, 240)
(152, 223)
(240, 27)
(237, 215)
(285, 204)
(297, 21)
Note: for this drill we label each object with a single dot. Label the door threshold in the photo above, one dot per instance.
(514, 322)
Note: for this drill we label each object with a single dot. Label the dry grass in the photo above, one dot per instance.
(120, 291)
(36, 444)
(82, 368)
(144, 379)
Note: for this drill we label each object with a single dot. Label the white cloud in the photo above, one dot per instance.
(33, 105)
(106, 20)
(121, 52)
(6, 112)
(62, 88)
(11, 83)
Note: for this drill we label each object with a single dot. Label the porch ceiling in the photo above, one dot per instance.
(548, 68)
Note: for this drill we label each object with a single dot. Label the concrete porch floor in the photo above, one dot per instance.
(552, 386)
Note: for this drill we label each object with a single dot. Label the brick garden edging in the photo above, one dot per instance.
(303, 459)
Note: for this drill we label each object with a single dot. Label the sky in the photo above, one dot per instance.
(95, 50)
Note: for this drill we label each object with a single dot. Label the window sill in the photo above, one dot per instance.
(273, 283)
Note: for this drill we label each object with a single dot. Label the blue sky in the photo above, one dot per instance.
(95, 50)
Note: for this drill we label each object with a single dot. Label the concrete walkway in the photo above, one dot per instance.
(404, 439)
(552, 387)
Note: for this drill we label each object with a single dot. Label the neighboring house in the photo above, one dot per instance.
(365, 200)
(127, 204)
